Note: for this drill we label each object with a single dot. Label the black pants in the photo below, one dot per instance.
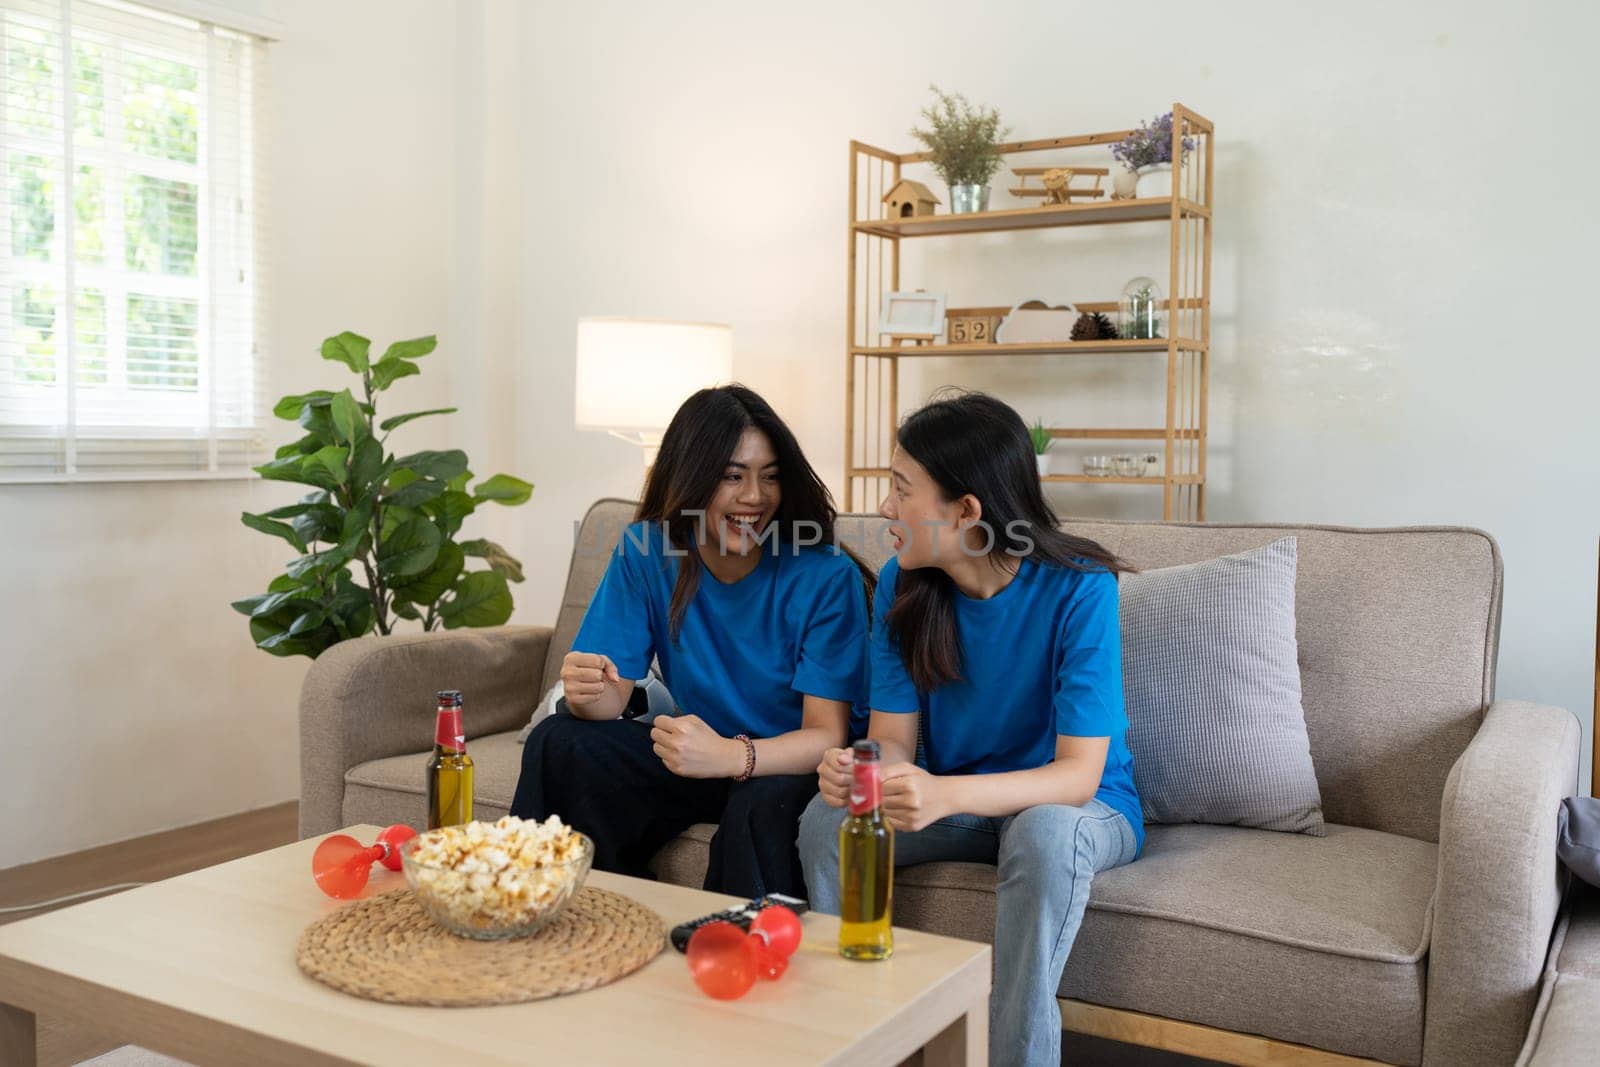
(604, 779)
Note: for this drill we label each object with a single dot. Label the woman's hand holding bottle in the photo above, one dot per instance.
(913, 799)
(834, 775)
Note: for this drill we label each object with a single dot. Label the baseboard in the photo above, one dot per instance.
(150, 858)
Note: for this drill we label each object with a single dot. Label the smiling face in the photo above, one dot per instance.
(747, 497)
(928, 530)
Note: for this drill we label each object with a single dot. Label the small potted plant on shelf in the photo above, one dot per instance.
(1147, 152)
(964, 142)
(1041, 446)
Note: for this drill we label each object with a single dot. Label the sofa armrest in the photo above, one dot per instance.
(1499, 888)
(374, 697)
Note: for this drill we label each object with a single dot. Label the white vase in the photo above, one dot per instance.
(1155, 180)
(1124, 183)
(1043, 459)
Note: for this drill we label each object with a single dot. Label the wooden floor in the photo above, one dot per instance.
(144, 859)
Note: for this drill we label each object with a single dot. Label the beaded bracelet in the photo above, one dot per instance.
(749, 758)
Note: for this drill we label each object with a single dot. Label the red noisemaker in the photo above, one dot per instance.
(725, 961)
(341, 866)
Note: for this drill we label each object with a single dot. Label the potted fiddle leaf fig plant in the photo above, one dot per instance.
(377, 534)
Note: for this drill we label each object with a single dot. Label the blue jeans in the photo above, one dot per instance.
(1047, 857)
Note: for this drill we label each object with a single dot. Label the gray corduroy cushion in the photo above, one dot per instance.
(1209, 666)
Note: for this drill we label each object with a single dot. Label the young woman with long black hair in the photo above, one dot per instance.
(732, 578)
(996, 634)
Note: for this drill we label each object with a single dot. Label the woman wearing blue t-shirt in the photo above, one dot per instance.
(997, 633)
(731, 578)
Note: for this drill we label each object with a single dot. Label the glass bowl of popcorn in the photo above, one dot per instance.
(492, 881)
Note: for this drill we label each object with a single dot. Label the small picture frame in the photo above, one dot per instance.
(918, 316)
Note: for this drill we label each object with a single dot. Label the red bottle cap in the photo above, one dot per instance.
(448, 732)
(866, 784)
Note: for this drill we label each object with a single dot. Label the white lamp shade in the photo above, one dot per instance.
(634, 374)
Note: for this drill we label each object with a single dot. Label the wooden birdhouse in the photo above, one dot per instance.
(908, 199)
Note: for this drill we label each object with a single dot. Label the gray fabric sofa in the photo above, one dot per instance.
(1415, 932)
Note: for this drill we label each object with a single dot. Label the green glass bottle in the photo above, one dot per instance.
(450, 769)
(866, 864)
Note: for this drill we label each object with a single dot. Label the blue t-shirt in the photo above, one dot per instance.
(1041, 658)
(748, 652)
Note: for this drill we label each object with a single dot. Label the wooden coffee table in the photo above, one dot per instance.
(202, 967)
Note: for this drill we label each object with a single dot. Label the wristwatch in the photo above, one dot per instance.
(638, 703)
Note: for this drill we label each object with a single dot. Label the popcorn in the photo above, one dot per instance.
(487, 877)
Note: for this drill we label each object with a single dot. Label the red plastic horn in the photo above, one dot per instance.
(341, 866)
(725, 961)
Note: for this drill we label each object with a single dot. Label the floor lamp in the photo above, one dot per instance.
(633, 374)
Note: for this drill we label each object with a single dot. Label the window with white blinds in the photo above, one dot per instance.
(130, 250)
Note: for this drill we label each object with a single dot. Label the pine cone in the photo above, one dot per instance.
(1103, 323)
(1086, 328)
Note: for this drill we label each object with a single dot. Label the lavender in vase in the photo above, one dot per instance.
(1149, 145)
(1147, 152)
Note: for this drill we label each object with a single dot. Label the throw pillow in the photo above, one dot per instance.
(1578, 837)
(1211, 674)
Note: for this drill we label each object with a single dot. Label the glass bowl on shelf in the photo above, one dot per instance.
(1127, 465)
(1097, 466)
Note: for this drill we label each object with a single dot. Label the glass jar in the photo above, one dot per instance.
(1139, 311)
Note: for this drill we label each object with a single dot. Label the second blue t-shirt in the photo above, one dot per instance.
(1040, 658)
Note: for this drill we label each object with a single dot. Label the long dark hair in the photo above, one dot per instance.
(696, 450)
(973, 443)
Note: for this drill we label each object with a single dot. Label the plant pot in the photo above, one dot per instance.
(1155, 179)
(1043, 460)
(1124, 183)
(968, 199)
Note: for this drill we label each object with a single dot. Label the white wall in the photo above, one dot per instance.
(1403, 258)
(135, 699)
(1400, 236)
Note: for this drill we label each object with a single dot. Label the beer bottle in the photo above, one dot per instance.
(450, 769)
(866, 864)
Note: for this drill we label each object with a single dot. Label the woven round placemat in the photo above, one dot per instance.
(386, 948)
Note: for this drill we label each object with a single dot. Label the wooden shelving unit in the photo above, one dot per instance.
(872, 405)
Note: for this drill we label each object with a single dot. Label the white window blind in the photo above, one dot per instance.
(131, 304)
